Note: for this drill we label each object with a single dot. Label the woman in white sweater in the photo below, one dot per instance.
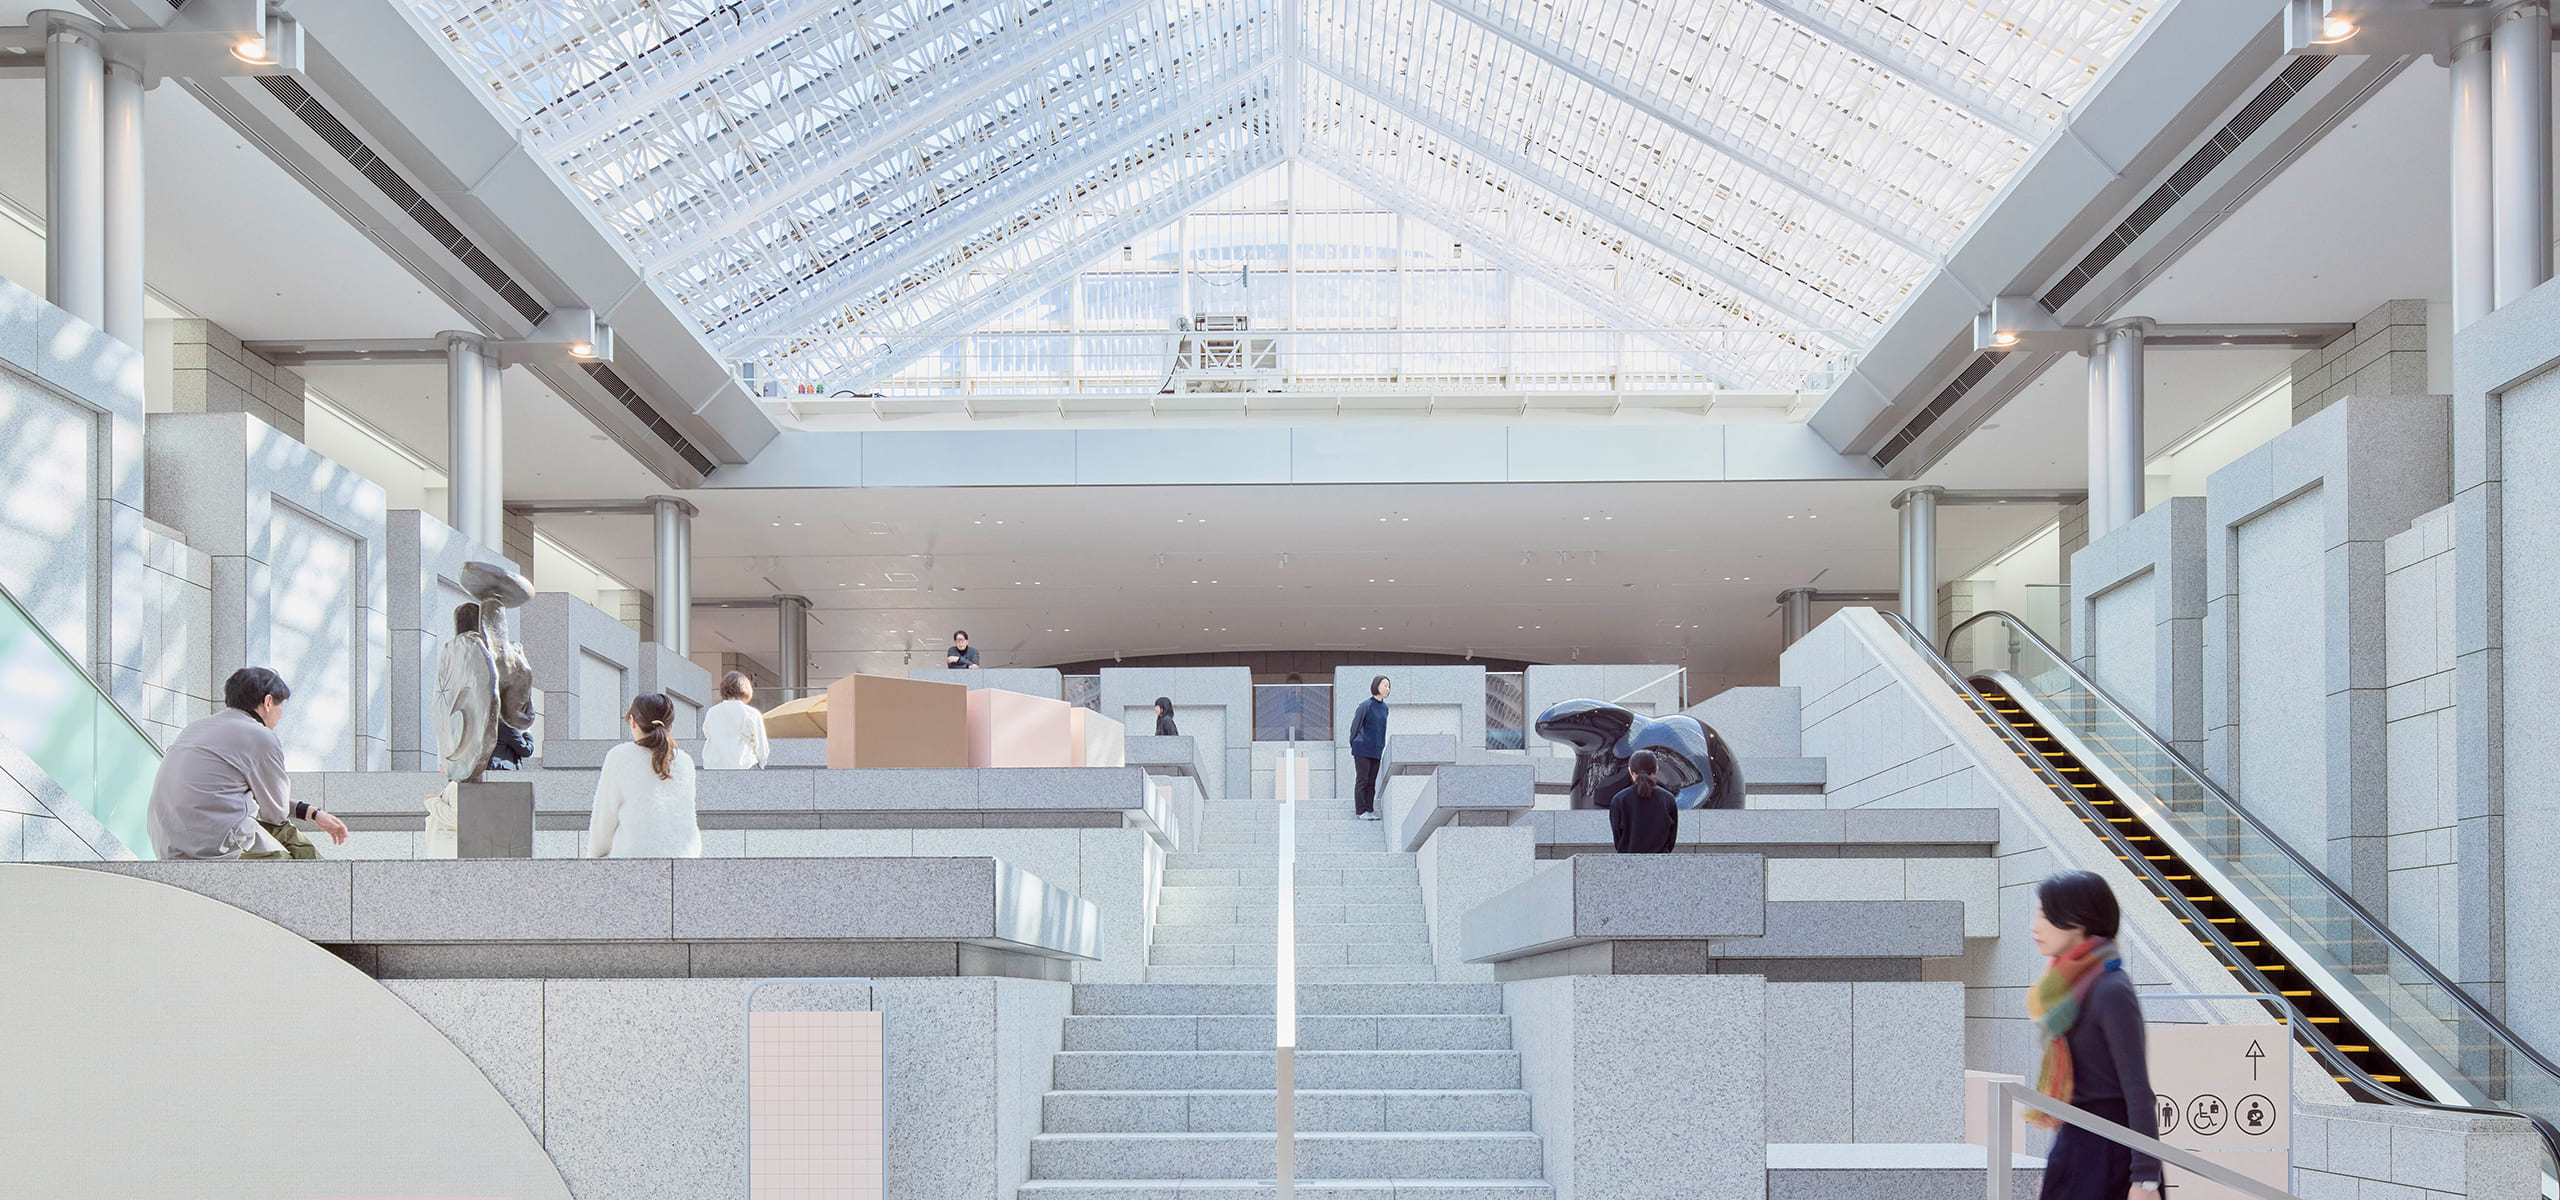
(732, 730)
(644, 794)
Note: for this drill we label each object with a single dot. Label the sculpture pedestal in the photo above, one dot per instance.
(493, 820)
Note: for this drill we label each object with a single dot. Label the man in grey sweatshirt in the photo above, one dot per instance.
(222, 791)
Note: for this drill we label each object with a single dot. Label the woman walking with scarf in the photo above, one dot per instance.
(2094, 1054)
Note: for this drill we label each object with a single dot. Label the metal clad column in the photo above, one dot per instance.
(121, 253)
(493, 456)
(2124, 425)
(466, 413)
(672, 603)
(1920, 558)
(793, 620)
(75, 175)
(2100, 426)
(1795, 615)
(2475, 253)
(2520, 133)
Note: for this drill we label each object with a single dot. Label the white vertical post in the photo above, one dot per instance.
(75, 175)
(1795, 615)
(1289, 788)
(792, 640)
(1920, 559)
(671, 606)
(121, 255)
(2101, 426)
(466, 410)
(2475, 254)
(493, 456)
(2520, 132)
(2124, 423)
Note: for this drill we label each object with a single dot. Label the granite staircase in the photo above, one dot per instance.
(1408, 1089)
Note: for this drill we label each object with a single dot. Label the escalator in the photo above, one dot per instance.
(73, 731)
(2384, 1022)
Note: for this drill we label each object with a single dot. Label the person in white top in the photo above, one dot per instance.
(733, 731)
(644, 794)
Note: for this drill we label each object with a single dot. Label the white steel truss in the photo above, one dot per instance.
(830, 185)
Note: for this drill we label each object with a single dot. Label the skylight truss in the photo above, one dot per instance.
(836, 187)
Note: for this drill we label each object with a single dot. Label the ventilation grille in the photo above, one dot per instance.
(302, 104)
(2218, 149)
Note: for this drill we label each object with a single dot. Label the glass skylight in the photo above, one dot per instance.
(835, 189)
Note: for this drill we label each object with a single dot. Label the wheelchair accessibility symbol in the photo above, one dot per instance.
(2206, 1115)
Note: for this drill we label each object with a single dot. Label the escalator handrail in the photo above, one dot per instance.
(76, 669)
(2337, 895)
(2270, 994)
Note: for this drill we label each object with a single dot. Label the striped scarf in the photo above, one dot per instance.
(2054, 1004)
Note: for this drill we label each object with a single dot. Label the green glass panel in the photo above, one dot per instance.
(75, 734)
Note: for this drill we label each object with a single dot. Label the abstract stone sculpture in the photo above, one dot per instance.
(1690, 758)
(482, 676)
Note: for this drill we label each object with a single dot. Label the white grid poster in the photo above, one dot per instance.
(814, 1103)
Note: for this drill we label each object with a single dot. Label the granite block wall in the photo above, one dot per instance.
(2294, 642)
(2351, 1151)
(424, 557)
(1758, 722)
(2386, 355)
(299, 584)
(169, 678)
(2422, 824)
(689, 684)
(1865, 1062)
(209, 372)
(585, 667)
(1213, 706)
(634, 1086)
(71, 450)
(1425, 700)
(2138, 602)
(1625, 1117)
(1462, 867)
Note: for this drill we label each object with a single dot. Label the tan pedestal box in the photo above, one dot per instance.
(1009, 729)
(880, 721)
(805, 717)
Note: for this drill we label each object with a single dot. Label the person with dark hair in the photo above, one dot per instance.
(1368, 745)
(644, 794)
(733, 731)
(222, 791)
(1164, 718)
(1644, 817)
(962, 656)
(2094, 1051)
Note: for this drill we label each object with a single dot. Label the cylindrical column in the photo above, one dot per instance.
(792, 624)
(2124, 426)
(122, 259)
(493, 456)
(2520, 135)
(466, 488)
(1795, 615)
(1920, 559)
(75, 175)
(2101, 426)
(672, 543)
(2475, 254)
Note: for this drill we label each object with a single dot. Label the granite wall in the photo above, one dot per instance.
(1678, 1112)
(297, 544)
(2421, 821)
(1425, 700)
(636, 1087)
(2293, 646)
(2138, 609)
(585, 668)
(1865, 1062)
(688, 684)
(210, 372)
(1212, 705)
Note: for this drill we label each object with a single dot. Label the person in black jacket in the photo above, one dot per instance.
(1644, 817)
(2095, 1057)
(1164, 718)
(1368, 745)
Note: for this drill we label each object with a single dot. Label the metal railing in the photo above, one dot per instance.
(2506, 1078)
(1288, 789)
(1998, 1167)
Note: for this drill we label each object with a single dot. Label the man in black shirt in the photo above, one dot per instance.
(962, 656)
(1644, 817)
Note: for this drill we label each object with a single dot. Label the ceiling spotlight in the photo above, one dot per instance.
(2005, 338)
(582, 349)
(2337, 29)
(252, 50)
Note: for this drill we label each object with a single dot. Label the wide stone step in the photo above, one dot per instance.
(1456, 1031)
(1356, 877)
(1198, 860)
(1406, 891)
(1307, 973)
(1360, 1111)
(1355, 912)
(1304, 892)
(1264, 934)
(1921, 1171)
(1186, 912)
(1328, 933)
(1314, 1000)
(1319, 1155)
(1312, 955)
(1262, 876)
(1369, 860)
(1307, 1189)
(1183, 954)
(1210, 894)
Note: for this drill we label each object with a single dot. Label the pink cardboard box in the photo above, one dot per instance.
(1009, 729)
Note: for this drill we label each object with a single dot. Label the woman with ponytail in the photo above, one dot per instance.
(644, 794)
(2094, 1052)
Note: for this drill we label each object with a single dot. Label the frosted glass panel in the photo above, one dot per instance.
(74, 734)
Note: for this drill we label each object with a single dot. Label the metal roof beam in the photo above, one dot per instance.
(697, 63)
(2026, 126)
(1634, 96)
(1593, 202)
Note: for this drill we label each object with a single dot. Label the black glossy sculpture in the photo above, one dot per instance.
(1690, 758)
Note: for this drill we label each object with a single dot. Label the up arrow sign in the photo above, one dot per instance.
(2253, 1054)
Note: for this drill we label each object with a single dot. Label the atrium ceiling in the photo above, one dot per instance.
(833, 190)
